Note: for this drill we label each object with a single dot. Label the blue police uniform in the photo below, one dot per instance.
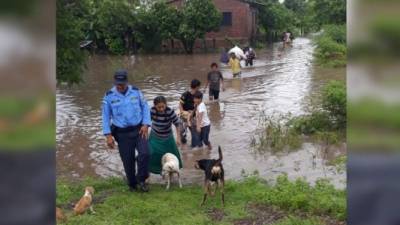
(126, 110)
(123, 115)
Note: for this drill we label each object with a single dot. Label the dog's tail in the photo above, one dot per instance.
(220, 154)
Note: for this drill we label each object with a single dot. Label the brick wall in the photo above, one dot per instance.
(242, 28)
(241, 15)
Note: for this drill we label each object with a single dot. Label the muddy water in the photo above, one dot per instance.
(281, 81)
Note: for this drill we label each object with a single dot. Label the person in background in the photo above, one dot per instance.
(161, 139)
(186, 107)
(287, 39)
(250, 56)
(234, 63)
(203, 123)
(215, 82)
(224, 56)
(126, 118)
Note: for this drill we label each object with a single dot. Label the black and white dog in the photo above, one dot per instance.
(214, 175)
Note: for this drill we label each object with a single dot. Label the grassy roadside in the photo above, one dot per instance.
(331, 48)
(324, 124)
(251, 201)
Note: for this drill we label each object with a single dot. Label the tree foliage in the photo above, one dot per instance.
(331, 48)
(70, 58)
(168, 19)
(329, 11)
(334, 102)
(300, 16)
(275, 18)
(120, 26)
(301, 11)
(157, 23)
(197, 18)
(116, 23)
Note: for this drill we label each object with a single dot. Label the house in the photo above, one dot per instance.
(239, 24)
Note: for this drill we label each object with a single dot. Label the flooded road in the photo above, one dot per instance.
(280, 82)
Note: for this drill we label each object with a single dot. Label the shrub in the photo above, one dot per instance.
(310, 124)
(115, 45)
(331, 48)
(326, 124)
(330, 53)
(334, 102)
(275, 135)
(71, 60)
(322, 199)
(336, 33)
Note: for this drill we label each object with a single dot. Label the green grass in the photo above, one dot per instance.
(324, 124)
(275, 134)
(339, 162)
(16, 134)
(114, 204)
(331, 48)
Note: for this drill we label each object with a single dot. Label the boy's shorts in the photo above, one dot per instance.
(214, 93)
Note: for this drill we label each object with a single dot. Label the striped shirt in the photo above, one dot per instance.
(162, 122)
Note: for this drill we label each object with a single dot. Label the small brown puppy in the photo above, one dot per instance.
(214, 173)
(59, 215)
(85, 202)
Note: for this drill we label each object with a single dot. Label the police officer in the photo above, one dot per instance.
(126, 118)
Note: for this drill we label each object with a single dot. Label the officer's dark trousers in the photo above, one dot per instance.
(127, 142)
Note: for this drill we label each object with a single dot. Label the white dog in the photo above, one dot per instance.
(170, 165)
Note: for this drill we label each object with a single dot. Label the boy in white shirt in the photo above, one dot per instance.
(203, 123)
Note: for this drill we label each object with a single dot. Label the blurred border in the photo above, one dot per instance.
(27, 112)
(373, 112)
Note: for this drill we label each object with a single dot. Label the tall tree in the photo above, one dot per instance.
(70, 58)
(296, 6)
(275, 18)
(155, 23)
(168, 19)
(329, 11)
(116, 22)
(299, 8)
(197, 18)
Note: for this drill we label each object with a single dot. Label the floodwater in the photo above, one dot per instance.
(281, 82)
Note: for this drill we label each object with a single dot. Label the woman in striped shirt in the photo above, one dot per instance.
(161, 139)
